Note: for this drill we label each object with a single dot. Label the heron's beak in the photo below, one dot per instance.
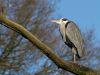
(56, 21)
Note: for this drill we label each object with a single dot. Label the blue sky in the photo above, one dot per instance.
(85, 13)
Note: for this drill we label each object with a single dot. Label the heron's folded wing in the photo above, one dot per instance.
(74, 35)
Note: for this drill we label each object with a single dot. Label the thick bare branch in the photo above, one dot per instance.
(66, 65)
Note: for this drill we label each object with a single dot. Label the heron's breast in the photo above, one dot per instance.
(62, 30)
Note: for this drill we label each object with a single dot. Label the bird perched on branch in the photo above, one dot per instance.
(71, 36)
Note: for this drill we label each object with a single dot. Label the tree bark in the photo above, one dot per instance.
(66, 65)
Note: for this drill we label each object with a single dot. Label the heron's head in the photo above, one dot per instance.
(60, 21)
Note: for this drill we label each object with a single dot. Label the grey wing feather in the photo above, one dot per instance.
(74, 35)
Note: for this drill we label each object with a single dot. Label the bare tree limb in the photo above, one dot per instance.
(7, 65)
(66, 65)
(10, 46)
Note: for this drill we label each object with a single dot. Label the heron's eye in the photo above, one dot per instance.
(64, 19)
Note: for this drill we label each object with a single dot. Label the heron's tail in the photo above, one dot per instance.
(81, 54)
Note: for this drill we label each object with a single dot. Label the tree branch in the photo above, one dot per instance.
(10, 46)
(7, 65)
(66, 65)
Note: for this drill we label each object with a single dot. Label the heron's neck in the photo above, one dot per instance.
(64, 23)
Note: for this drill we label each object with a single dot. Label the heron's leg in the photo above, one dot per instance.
(74, 58)
(74, 54)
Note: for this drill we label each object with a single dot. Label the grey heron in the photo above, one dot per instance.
(71, 36)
